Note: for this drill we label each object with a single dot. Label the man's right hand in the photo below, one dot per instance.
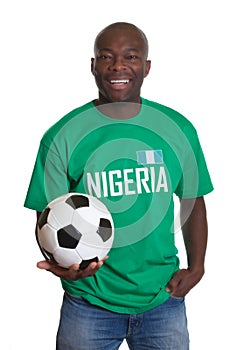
(73, 273)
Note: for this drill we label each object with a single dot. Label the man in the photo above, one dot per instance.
(134, 155)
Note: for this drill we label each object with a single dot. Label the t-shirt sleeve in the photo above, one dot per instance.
(195, 181)
(48, 180)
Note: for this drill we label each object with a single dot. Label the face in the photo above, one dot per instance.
(120, 65)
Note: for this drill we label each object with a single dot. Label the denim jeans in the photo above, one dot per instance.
(87, 327)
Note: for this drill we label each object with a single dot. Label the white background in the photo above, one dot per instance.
(196, 48)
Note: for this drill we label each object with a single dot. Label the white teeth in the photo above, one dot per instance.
(124, 81)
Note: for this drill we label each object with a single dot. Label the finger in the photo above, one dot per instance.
(175, 281)
(92, 268)
(181, 290)
(51, 267)
(172, 285)
(105, 258)
(43, 265)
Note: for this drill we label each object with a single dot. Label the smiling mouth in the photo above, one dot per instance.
(119, 82)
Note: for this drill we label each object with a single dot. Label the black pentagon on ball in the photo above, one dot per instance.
(43, 218)
(104, 229)
(68, 237)
(85, 263)
(77, 201)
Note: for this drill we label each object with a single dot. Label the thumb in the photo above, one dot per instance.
(173, 283)
(43, 265)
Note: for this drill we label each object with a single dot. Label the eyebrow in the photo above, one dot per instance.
(126, 49)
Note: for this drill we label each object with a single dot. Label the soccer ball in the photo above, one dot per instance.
(75, 228)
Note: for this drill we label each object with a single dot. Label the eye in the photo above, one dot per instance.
(132, 57)
(104, 57)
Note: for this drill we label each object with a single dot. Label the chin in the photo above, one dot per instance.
(124, 99)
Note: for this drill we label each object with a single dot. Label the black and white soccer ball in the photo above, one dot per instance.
(75, 228)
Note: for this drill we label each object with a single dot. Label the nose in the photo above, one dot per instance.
(117, 64)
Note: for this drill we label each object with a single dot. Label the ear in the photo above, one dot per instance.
(147, 68)
(92, 65)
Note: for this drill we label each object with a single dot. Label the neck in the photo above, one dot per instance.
(118, 110)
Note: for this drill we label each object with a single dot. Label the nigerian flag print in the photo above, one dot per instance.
(150, 157)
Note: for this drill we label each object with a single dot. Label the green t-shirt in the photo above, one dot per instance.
(135, 167)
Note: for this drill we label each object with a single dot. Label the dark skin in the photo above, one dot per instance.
(195, 233)
(119, 67)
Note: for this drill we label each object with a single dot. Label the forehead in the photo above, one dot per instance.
(120, 38)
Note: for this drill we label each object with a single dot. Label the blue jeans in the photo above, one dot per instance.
(87, 327)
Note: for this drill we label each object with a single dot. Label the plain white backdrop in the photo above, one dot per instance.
(196, 48)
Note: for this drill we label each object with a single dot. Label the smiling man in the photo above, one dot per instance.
(134, 155)
(120, 66)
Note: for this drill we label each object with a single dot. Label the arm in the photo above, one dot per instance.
(73, 273)
(194, 229)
